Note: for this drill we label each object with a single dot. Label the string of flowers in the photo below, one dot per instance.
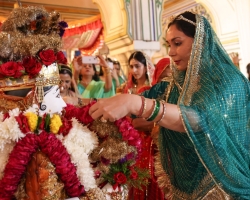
(21, 155)
(122, 172)
(16, 165)
(78, 142)
(126, 129)
(67, 145)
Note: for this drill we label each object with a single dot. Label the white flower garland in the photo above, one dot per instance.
(9, 132)
(80, 142)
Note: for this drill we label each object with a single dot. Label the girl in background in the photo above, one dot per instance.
(140, 74)
(89, 84)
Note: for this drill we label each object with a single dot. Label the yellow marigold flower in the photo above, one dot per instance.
(32, 120)
(55, 124)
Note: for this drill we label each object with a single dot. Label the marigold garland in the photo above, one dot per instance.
(55, 123)
(32, 120)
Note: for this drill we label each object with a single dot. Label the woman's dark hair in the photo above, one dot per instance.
(116, 62)
(139, 56)
(186, 27)
(248, 71)
(65, 70)
(95, 76)
(101, 73)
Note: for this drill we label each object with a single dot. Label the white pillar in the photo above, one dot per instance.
(242, 8)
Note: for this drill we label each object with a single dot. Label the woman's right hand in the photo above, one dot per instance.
(116, 107)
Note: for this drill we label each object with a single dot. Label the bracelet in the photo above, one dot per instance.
(143, 107)
(106, 72)
(163, 114)
(154, 104)
(156, 111)
(80, 103)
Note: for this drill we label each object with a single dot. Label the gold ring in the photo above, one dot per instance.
(103, 120)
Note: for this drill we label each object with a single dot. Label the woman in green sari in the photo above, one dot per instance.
(204, 114)
(89, 84)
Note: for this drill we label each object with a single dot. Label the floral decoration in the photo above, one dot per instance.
(68, 141)
(29, 131)
(11, 69)
(30, 65)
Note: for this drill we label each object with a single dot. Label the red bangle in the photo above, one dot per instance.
(142, 106)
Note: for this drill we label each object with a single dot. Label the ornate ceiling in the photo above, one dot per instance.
(70, 10)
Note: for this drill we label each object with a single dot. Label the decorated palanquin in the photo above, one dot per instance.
(50, 150)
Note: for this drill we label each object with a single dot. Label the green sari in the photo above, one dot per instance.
(95, 89)
(213, 156)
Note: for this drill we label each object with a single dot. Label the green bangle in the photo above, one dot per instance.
(156, 111)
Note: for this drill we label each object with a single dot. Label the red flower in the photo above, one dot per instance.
(129, 134)
(120, 178)
(85, 117)
(5, 116)
(61, 58)
(65, 128)
(81, 114)
(32, 67)
(71, 111)
(133, 174)
(97, 174)
(12, 69)
(47, 57)
(23, 123)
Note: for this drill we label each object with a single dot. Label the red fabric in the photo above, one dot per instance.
(130, 85)
(95, 45)
(84, 28)
(87, 38)
(159, 68)
(145, 160)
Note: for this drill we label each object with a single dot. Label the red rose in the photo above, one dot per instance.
(32, 67)
(120, 178)
(61, 58)
(133, 174)
(12, 69)
(47, 56)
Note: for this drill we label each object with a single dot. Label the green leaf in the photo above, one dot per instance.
(47, 122)
(38, 124)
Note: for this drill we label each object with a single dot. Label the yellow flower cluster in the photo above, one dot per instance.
(55, 124)
(32, 120)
